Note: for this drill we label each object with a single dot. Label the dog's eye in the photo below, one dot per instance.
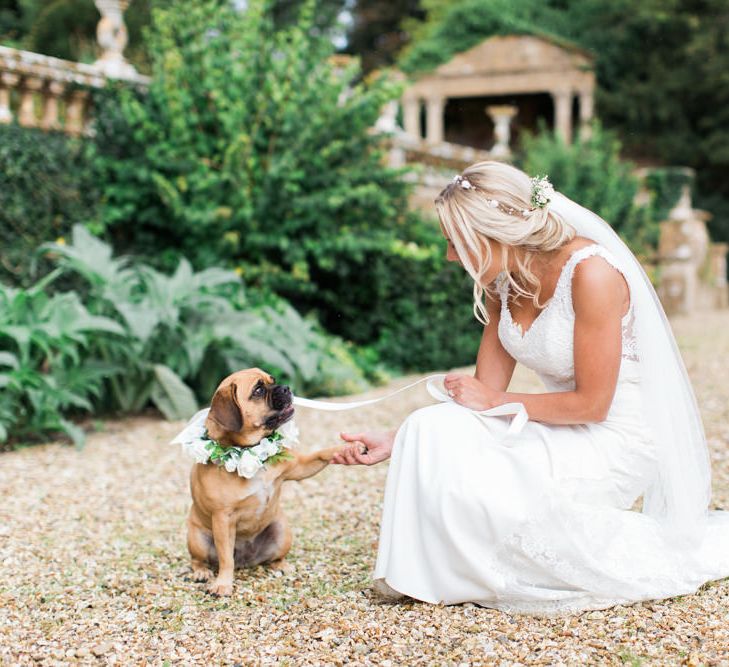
(259, 391)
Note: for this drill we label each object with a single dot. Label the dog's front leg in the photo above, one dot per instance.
(224, 538)
(307, 465)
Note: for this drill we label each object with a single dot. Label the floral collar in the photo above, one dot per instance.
(246, 461)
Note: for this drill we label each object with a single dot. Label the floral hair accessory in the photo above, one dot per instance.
(463, 182)
(542, 191)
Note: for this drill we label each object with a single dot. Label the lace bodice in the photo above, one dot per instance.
(547, 347)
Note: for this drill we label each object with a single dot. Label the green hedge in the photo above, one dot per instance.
(47, 183)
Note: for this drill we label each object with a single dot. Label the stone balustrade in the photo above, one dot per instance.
(49, 93)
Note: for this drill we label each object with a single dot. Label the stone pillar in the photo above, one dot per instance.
(26, 113)
(50, 106)
(717, 255)
(434, 120)
(501, 115)
(587, 110)
(387, 122)
(411, 117)
(111, 33)
(562, 100)
(75, 111)
(7, 82)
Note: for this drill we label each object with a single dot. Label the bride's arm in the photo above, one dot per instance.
(599, 295)
(494, 365)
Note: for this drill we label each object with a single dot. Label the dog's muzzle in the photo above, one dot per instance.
(281, 397)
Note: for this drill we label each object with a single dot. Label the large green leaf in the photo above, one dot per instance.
(8, 359)
(174, 399)
(76, 433)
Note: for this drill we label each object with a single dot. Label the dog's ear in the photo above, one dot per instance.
(225, 409)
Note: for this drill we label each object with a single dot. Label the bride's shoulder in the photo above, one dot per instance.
(597, 280)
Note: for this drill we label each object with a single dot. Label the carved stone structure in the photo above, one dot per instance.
(111, 33)
(692, 270)
(51, 93)
(518, 70)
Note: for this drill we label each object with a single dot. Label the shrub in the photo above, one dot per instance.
(45, 369)
(47, 184)
(135, 336)
(250, 149)
(197, 325)
(419, 315)
(591, 172)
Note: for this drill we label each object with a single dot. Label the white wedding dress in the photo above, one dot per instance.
(540, 522)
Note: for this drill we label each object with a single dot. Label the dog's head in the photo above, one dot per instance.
(246, 407)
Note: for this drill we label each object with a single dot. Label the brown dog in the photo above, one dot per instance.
(234, 521)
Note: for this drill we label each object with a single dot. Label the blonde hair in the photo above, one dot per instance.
(468, 212)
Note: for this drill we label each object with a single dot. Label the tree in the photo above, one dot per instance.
(251, 148)
(378, 33)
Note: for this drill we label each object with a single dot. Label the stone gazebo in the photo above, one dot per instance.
(485, 96)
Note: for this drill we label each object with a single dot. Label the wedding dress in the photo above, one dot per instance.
(538, 522)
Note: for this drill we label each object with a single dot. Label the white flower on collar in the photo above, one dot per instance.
(290, 433)
(265, 449)
(246, 461)
(248, 465)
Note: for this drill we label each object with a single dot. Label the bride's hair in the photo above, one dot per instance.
(493, 200)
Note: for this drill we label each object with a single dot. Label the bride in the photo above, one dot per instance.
(543, 519)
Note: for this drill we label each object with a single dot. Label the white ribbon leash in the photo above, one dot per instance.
(517, 409)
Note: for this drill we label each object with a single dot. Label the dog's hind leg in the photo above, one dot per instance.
(270, 546)
(200, 546)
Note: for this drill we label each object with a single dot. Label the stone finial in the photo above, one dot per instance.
(111, 33)
(501, 115)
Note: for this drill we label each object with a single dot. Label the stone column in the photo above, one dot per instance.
(111, 33)
(50, 106)
(8, 81)
(75, 111)
(26, 113)
(563, 114)
(411, 117)
(717, 255)
(501, 115)
(387, 122)
(434, 120)
(587, 110)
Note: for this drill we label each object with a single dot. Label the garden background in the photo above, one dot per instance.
(240, 210)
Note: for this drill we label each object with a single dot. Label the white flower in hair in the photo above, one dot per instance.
(542, 191)
(463, 182)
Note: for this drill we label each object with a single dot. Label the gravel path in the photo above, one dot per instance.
(95, 569)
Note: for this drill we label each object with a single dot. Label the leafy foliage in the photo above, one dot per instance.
(47, 183)
(193, 327)
(45, 368)
(136, 336)
(250, 149)
(591, 172)
(453, 27)
(376, 34)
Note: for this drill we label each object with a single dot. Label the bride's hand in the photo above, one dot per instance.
(469, 392)
(365, 448)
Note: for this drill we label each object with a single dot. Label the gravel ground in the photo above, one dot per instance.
(95, 569)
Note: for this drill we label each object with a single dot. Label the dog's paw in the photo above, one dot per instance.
(202, 574)
(220, 589)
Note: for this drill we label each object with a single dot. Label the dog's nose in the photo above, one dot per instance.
(280, 397)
